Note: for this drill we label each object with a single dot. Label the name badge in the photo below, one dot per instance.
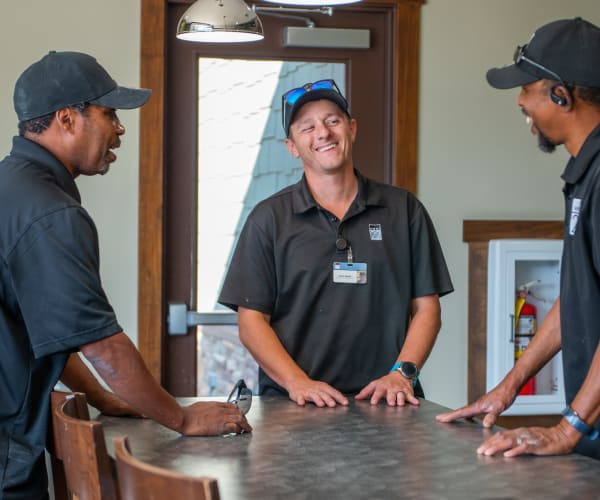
(354, 273)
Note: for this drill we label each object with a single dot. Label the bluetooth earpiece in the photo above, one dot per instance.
(560, 100)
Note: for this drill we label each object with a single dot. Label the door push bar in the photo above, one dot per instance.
(179, 319)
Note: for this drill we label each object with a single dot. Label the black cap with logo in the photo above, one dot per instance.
(61, 79)
(567, 50)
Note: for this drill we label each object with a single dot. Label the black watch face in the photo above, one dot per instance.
(409, 370)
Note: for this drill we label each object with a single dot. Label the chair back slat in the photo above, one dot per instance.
(79, 444)
(141, 481)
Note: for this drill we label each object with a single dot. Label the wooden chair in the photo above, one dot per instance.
(81, 466)
(142, 481)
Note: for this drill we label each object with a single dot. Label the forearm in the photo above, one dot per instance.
(120, 365)
(587, 400)
(422, 331)
(78, 378)
(261, 340)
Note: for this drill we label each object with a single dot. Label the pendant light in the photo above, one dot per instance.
(220, 21)
(313, 3)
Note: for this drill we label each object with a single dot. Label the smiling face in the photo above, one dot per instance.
(541, 112)
(322, 136)
(97, 133)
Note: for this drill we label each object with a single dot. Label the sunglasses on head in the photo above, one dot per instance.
(291, 96)
(241, 396)
(520, 56)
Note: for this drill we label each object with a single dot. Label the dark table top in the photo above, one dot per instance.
(355, 452)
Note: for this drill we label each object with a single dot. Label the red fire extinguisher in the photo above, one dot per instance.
(525, 328)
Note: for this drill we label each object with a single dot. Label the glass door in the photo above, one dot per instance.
(241, 160)
(225, 152)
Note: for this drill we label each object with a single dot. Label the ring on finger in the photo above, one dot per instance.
(519, 441)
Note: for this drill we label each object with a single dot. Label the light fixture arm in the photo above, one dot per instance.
(286, 12)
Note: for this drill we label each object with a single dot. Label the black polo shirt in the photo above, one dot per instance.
(580, 273)
(51, 302)
(344, 334)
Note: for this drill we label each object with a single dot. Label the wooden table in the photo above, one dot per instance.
(356, 452)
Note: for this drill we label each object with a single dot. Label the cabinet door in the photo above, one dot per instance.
(532, 264)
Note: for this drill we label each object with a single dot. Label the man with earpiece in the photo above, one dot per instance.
(559, 75)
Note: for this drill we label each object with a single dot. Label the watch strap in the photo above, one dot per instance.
(577, 422)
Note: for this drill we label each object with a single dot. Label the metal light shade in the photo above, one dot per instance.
(312, 2)
(221, 21)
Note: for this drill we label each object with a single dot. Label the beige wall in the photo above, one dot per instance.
(476, 160)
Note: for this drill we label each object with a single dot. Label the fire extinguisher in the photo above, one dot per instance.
(525, 328)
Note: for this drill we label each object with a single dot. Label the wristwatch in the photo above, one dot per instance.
(407, 369)
(575, 420)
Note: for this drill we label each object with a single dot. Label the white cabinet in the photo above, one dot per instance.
(512, 263)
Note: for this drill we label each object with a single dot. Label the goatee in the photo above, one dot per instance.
(545, 144)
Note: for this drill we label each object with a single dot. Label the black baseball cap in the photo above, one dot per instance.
(294, 99)
(567, 50)
(61, 79)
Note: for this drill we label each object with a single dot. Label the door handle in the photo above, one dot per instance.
(179, 318)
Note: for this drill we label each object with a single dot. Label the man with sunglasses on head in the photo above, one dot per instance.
(52, 303)
(559, 75)
(336, 279)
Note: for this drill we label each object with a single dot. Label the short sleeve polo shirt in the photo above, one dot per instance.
(344, 334)
(580, 273)
(51, 302)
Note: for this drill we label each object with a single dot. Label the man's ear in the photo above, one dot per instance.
(561, 96)
(289, 144)
(65, 118)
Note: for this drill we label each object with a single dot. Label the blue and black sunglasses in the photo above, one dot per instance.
(289, 99)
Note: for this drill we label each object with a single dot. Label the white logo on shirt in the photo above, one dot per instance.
(575, 209)
(375, 232)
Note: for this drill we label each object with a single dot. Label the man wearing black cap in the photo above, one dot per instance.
(51, 299)
(559, 75)
(336, 279)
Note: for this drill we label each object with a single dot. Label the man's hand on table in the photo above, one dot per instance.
(490, 405)
(557, 440)
(393, 388)
(320, 394)
(213, 419)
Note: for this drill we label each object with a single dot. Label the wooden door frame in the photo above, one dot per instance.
(151, 225)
